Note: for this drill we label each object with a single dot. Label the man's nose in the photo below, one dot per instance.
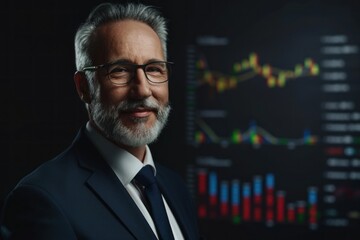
(140, 87)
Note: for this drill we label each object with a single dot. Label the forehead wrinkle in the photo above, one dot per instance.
(132, 40)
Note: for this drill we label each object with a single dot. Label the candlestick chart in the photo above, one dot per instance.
(248, 68)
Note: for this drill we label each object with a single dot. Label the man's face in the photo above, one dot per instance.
(134, 114)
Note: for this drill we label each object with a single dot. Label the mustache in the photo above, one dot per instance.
(128, 105)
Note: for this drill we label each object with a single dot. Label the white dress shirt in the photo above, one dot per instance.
(126, 166)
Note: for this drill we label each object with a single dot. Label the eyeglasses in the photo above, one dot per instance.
(121, 73)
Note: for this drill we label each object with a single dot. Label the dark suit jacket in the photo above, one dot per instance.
(78, 196)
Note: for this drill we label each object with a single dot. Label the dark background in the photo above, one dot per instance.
(40, 110)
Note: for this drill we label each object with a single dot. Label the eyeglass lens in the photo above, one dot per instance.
(121, 73)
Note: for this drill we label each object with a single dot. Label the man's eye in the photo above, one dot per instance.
(119, 69)
(157, 68)
(154, 69)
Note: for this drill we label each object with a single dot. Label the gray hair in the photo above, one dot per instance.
(110, 12)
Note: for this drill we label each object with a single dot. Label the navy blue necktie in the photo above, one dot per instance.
(153, 196)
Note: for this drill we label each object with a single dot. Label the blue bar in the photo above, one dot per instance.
(312, 197)
(224, 192)
(270, 181)
(212, 184)
(235, 192)
(246, 190)
(257, 186)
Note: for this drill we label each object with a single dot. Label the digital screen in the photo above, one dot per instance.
(273, 119)
(268, 122)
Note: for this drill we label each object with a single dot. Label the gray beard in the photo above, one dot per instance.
(107, 120)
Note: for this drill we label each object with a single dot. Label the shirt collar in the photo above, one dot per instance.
(124, 164)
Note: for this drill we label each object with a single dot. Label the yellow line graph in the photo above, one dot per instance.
(250, 68)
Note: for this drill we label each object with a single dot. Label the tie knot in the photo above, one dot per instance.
(146, 176)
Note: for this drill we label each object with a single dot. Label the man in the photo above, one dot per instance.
(91, 191)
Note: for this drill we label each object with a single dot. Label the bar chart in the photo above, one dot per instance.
(254, 201)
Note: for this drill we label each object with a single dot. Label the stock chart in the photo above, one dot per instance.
(273, 120)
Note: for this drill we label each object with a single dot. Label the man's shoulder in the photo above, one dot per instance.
(63, 166)
(51, 169)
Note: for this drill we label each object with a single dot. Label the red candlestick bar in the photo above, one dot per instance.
(291, 213)
(246, 202)
(258, 198)
(202, 185)
(269, 185)
(280, 206)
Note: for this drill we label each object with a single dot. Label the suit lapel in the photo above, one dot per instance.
(105, 184)
(115, 196)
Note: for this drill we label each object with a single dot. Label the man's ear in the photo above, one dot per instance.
(82, 86)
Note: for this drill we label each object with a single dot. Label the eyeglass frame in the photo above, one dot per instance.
(136, 66)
